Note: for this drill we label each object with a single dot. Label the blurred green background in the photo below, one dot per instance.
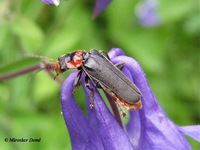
(30, 104)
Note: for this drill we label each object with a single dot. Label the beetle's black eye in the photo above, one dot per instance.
(61, 60)
(69, 57)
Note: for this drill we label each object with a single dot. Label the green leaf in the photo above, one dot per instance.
(18, 64)
(29, 33)
(171, 11)
(3, 32)
(192, 25)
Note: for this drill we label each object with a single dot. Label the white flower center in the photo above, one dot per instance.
(56, 2)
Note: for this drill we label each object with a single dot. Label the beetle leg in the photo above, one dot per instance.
(87, 84)
(120, 65)
(124, 115)
(77, 82)
(117, 100)
(98, 85)
(103, 52)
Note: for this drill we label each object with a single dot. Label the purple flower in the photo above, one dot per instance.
(51, 2)
(100, 5)
(148, 128)
(146, 12)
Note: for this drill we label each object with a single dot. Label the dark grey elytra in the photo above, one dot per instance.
(107, 76)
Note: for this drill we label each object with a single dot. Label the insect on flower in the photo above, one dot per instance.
(98, 68)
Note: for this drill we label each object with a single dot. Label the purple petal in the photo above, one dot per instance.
(147, 13)
(114, 52)
(192, 131)
(100, 6)
(149, 127)
(81, 134)
(51, 2)
(105, 125)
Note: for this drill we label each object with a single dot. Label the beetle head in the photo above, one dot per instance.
(71, 60)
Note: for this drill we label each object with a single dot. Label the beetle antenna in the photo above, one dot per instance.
(38, 56)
